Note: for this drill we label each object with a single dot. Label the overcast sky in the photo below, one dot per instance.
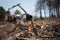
(28, 5)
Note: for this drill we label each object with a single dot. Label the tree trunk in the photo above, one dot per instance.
(58, 10)
(49, 11)
(44, 11)
(40, 14)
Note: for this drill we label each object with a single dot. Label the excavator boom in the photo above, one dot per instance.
(28, 17)
(18, 6)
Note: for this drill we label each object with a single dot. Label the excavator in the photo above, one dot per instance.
(28, 17)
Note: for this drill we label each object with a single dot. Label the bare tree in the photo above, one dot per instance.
(39, 7)
(52, 5)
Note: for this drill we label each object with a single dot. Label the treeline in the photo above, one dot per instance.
(52, 6)
(2, 12)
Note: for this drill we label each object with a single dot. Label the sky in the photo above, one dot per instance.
(28, 5)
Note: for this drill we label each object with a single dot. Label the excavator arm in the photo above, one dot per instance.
(18, 6)
(28, 17)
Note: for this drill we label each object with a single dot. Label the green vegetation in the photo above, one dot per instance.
(2, 11)
(17, 12)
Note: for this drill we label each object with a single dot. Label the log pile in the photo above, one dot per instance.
(10, 31)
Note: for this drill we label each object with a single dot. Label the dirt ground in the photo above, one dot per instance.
(47, 29)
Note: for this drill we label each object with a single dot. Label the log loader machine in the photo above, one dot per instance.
(28, 17)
